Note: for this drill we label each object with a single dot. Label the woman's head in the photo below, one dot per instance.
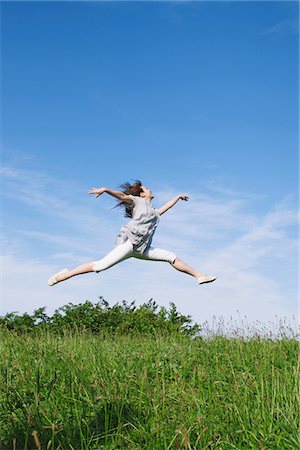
(136, 189)
(146, 193)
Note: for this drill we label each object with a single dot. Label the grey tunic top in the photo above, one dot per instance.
(141, 228)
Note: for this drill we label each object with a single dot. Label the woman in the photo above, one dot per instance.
(135, 238)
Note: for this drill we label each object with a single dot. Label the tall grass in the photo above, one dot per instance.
(83, 391)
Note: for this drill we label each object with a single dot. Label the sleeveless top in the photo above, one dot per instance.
(141, 228)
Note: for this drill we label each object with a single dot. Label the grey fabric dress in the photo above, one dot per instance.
(141, 228)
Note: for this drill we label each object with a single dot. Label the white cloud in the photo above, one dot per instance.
(51, 196)
(284, 26)
(253, 253)
(25, 288)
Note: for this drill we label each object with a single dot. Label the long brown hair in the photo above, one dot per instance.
(129, 189)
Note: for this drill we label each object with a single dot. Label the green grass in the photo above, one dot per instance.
(81, 391)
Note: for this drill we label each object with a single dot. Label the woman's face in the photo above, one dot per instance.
(146, 193)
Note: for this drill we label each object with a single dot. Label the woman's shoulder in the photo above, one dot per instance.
(137, 198)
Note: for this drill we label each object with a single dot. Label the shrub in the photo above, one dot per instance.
(101, 318)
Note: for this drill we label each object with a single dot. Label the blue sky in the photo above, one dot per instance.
(193, 97)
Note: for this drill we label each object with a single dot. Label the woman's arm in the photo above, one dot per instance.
(171, 203)
(117, 194)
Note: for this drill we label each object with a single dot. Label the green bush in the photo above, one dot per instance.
(100, 318)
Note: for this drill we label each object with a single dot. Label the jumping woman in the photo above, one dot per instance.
(134, 239)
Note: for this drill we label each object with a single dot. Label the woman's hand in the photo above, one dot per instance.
(183, 197)
(97, 191)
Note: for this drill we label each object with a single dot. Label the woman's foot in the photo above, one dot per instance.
(52, 280)
(205, 279)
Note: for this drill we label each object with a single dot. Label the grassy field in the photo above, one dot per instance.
(83, 391)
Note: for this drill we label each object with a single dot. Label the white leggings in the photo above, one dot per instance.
(125, 250)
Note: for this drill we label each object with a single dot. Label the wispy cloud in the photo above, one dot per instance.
(251, 250)
(284, 26)
(53, 205)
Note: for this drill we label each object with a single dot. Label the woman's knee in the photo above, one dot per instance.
(168, 256)
(103, 264)
(160, 254)
(95, 266)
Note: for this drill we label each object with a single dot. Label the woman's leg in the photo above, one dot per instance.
(159, 254)
(118, 254)
(183, 267)
(200, 277)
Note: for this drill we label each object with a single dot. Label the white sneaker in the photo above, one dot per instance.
(206, 279)
(52, 280)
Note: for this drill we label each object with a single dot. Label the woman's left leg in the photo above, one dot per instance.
(159, 254)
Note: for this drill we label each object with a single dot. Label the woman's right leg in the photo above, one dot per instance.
(118, 254)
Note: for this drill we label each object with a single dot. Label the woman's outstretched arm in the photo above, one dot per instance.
(171, 203)
(117, 194)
